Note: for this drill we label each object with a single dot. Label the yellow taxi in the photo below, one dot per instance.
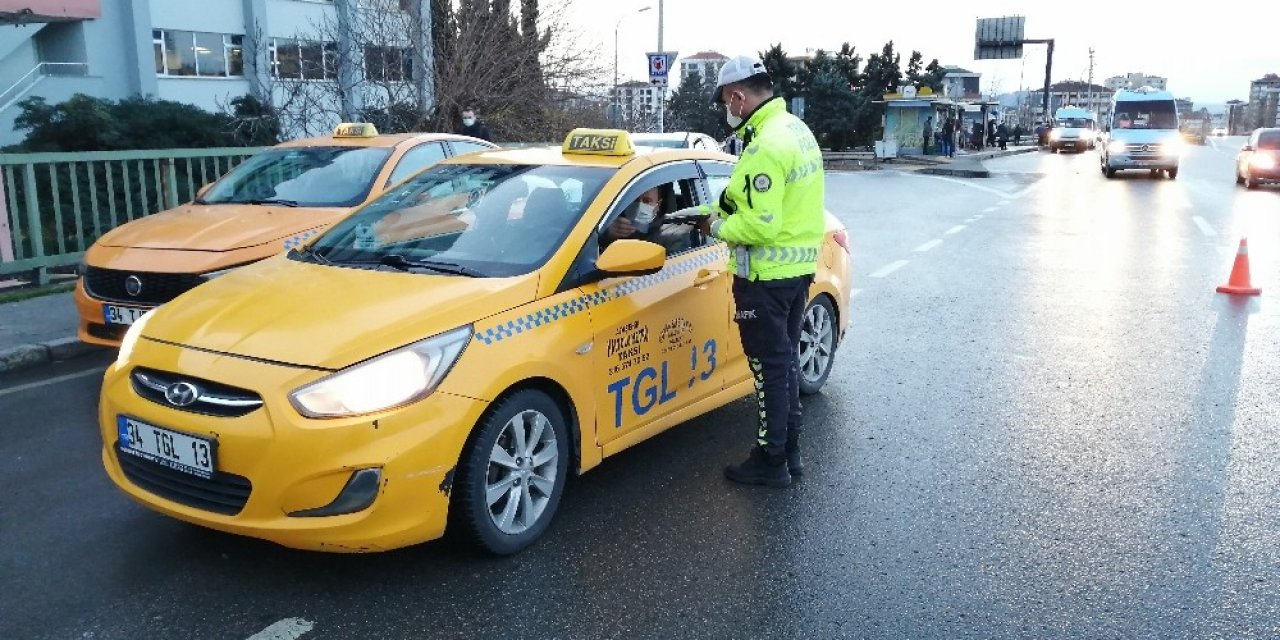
(272, 201)
(446, 354)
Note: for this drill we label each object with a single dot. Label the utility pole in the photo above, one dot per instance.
(662, 90)
(1091, 108)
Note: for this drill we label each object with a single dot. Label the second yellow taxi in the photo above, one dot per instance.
(448, 353)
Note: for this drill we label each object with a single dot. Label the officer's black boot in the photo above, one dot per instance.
(794, 463)
(760, 468)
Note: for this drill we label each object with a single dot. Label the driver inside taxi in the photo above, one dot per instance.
(645, 220)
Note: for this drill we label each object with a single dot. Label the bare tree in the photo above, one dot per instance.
(528, 73)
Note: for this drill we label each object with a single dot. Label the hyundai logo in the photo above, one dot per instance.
(133, 285)
(181, 394)
(1146, 148)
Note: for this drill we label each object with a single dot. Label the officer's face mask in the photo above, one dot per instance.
(468, 121)
(734, 121)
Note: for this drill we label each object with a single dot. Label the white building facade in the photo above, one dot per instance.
(200, 52)
(1136, 81)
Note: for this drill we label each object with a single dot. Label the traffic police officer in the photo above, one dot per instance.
(772, 218)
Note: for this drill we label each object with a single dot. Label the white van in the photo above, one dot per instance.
(1143, 133)
(1074, 128)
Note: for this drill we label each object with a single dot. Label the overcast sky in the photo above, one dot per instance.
(1206, 53)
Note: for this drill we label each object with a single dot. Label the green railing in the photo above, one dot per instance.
(53, 206)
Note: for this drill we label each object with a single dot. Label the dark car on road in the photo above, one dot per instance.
(1259, 158)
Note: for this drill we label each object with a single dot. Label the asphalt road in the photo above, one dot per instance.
(1044, 424)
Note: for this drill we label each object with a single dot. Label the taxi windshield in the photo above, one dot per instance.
(478, 220)
(1075, 123)
(302, 177)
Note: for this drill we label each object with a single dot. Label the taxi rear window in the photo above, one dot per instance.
(1269, 140)
(479, 220)
(302, 176)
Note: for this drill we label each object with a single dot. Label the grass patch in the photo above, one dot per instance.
(27, 294)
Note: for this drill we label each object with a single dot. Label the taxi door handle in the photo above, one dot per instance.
(706, 277)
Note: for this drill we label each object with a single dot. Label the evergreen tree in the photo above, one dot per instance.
(914, 65)
(690, 108)
(783, 71)
(933, 75)
(831, 107)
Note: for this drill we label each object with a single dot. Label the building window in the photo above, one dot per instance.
(196, 53)
(304, 59)
(388, 64)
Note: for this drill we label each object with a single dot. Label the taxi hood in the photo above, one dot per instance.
(297, 313)
(219, 227)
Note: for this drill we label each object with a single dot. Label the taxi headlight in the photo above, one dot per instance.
(1172, 146)
(1262, 161)
(131, 336)
(1054, 134)
(402, 376)
(1117, 146)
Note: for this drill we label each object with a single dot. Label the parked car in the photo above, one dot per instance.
(270, 202)
(676, 140)
(1259, 159)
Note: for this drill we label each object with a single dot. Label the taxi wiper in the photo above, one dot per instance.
(404, 264)
(280, 201)
(308, 252)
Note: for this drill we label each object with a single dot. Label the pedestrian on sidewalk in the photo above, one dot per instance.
(928, 133)
(949, 138)
(1002, 136)
(991, 132)
(473, 126)
(1017, 134)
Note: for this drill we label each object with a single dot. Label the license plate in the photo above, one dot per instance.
(121, 315)
(178, 451)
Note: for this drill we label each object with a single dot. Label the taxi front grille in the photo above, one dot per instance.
(152, 288)
(226, 493)
(201, 396)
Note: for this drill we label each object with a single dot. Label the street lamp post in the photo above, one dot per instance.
(617, 101)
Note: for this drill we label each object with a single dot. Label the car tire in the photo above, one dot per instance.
(1172, 173)
(500, 459)
(816, 353)
(1249, 182)
(1239, 178)
(1109, 172)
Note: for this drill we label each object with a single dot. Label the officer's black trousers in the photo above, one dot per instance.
(769, 316)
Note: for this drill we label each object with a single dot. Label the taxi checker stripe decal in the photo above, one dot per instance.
(531, 321)
(300, 239)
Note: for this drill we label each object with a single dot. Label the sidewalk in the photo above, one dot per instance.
(39, 330)
(966, 164)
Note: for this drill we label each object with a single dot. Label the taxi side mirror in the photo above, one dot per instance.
(631, 258)
(1247, 147)
(203, 190)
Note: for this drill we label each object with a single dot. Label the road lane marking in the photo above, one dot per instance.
(287, 629)
(888, 269)
(1204, 227)
(928, 245)
(970, 220)
(953, 230)
(35, 385)
(853, 293)
(990, 209)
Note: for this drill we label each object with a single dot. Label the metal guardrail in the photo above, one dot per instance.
(53, 206)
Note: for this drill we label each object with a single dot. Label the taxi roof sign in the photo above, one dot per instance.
(598, 142)
(355, 130)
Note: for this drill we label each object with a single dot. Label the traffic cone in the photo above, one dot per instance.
(1239, 281)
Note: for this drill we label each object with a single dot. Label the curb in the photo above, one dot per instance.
(980, 172)
(31, 355)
